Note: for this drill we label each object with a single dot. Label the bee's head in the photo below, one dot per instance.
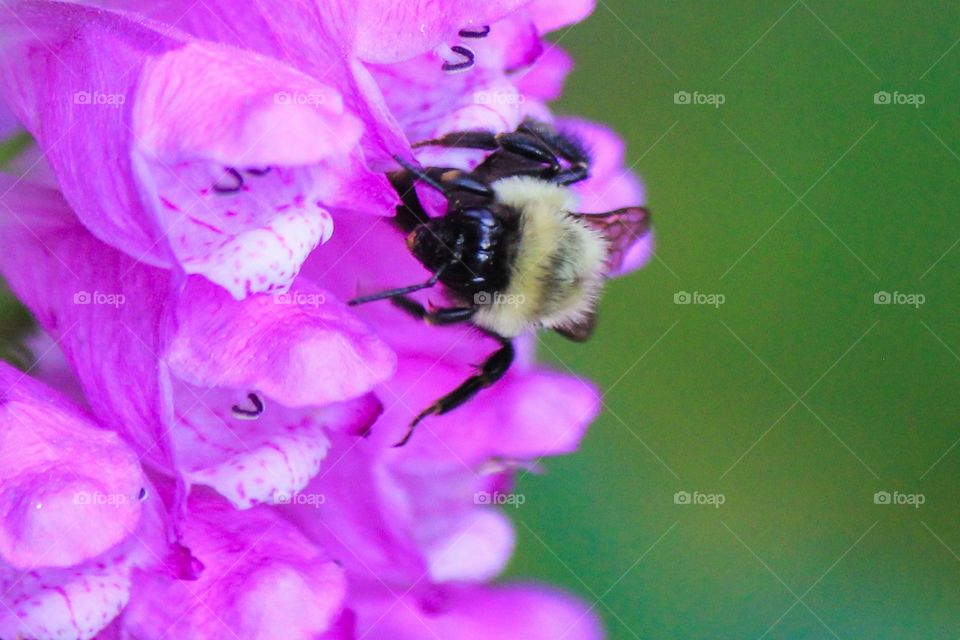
(432, 243)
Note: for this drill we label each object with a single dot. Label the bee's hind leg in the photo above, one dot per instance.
(495, 367)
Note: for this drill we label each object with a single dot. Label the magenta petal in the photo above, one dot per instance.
(544, 80)
(261, 578)
(74, 602)
(390, 32)
(300, 348)
(68, 489)
(189, 181)
(530, 612)
(255, 461)
(526, 415)
(102, 308)
(240, 173)
(68, 72)
(9, 125)
(362, 520)
(316, 38)
(611, 184)
(550, 15)
(462, 538)
(240, 110)
(429, 103)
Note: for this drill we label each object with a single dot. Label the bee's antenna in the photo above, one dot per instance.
(393, 293)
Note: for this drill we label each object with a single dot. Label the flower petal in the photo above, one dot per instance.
(550, 15)
(390, 32)
(102, 308)
(429, 103)
(526, 415)
(530, 612)
(72, 603)
(9, 125)
(68, 489)
(260, 576)
(544, 80)
(264, 460)
(186, 184)
(244, 197)
(299, 348)
(316, 38)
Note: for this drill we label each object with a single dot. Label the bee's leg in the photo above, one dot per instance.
(446, 180)
(442, 316)
(490, 372)
(394, 293)
(478, 139)
(568, 148)
(526, 145)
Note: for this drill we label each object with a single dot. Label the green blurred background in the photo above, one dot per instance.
(706, 399)
(798, 398)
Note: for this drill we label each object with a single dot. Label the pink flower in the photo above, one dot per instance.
(193, 160)
(100, 90)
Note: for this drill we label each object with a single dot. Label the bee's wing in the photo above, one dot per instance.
(623, 229)
(581, 331)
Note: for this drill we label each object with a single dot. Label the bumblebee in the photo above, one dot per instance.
(511, 252)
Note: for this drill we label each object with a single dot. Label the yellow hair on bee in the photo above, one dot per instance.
(559, 265)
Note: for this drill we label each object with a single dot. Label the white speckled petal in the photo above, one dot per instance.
(67, 604)
(265, 460)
